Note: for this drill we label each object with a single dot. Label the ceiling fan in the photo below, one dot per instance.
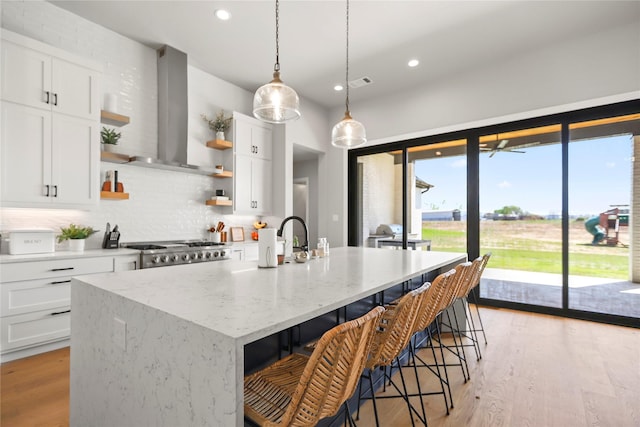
(502, 146)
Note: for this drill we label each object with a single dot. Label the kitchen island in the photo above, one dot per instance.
(165, 346)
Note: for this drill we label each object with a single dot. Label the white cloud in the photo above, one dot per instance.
(504, 184)
(460, 163)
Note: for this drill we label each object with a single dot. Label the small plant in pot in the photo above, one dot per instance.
(109, 138)
(76, 234)
(219, 125)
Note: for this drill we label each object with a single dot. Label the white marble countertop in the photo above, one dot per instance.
(246, 303)
(89, 253)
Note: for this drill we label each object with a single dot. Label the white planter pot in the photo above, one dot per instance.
(76, 245)
(220, 136)
(110, 148)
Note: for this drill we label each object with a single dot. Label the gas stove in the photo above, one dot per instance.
(161, 254)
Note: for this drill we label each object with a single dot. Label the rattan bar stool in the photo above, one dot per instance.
(462, 272)
(433, 304)
(475, 295)
(394, 332)
(299, 390)
(466, 273)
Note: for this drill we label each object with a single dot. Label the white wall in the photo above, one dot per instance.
(379, 193)
(309, 169)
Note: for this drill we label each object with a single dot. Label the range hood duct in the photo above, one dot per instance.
(172, 115)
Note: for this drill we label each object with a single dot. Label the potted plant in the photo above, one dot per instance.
(109, 138)
(219, 125)
(76, 234)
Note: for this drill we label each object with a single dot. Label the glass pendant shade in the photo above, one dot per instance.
(276, 102)
(348, 133)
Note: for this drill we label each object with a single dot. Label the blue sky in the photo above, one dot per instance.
(599, 176)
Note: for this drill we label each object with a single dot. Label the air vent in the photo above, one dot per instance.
(362, 81)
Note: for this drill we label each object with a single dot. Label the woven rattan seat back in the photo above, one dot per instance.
(452, 285)
(276, 397)
(466, 274)
(433, 300)
(482, 263)
(396, 328)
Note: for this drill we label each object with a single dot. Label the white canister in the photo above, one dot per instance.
(110, 102)
(267, 250)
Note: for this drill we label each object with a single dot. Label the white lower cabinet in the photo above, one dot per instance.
(35, 328)
(237, 254)
(35, 300)
(251, 252)
(126, 262)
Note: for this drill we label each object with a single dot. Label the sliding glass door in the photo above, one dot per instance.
(520, 207)
(600, 193)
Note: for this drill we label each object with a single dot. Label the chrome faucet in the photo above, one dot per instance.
(305, 246)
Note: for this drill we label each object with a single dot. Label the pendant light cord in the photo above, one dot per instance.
(276, 67)
(347, 67)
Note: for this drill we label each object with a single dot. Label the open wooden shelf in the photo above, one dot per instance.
(113, 119)
(219, 144)
(219, 202)
(114, 195)
(107, 156)
(224, 174)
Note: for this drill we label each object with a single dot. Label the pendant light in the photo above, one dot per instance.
(348, 133)
(276, 102)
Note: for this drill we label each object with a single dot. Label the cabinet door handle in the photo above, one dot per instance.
(47, 194)
(60, 312)
(62, 269)
(46, 92)
(55, 194)
(60, 281)
(55, 99)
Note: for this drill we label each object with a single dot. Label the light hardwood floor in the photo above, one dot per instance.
(537, 370)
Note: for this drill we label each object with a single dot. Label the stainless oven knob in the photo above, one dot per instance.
(175, 257)
(165, 258)
(207, 255)
(223, 253)
(216, 254)
(185, 257)
(155, 259)
(200, 255)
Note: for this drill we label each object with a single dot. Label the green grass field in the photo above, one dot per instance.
(534, 246)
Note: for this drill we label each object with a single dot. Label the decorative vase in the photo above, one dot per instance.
(76, 245)
(220, 135)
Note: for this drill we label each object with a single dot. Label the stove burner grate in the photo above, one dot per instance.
(145, 247)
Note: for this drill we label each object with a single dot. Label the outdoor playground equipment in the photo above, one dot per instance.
(606, 226)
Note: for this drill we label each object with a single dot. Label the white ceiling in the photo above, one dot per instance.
(446, 36)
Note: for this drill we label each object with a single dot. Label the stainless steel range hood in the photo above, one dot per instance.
(172, 116)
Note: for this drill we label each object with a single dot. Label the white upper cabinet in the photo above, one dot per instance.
(252, 137)
(253, 169)
(40, 80)
(50, 147)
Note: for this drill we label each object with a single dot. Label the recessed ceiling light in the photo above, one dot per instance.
(338, 88)
(222, 14)
(438, 153)
(413, 63)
